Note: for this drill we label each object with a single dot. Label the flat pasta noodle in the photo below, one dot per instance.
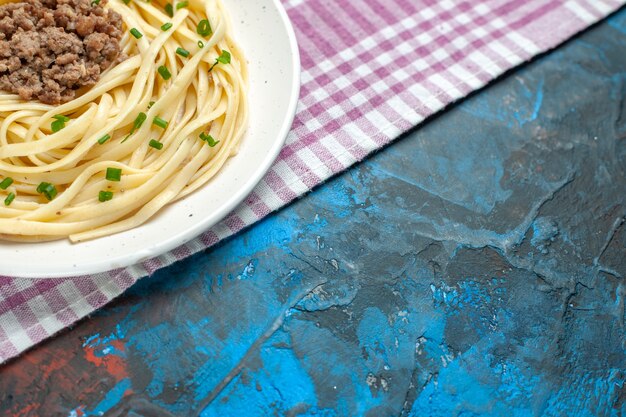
(197, 117)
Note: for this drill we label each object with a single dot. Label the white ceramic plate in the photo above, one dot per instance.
(263, 30)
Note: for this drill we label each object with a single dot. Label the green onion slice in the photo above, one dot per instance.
(105, 196)
(48, 190)
(164, 72)
(61, 118)
(141, 117)
(136, 33)
(169, 9)
(114, 174)
(182, 52)
(9, 199)
(204, 28)
(6, 183)
(59, 122)
(208, 139)
(224, 58)
(104, 139)
(155, 144)
(160, 122)
(57, 125)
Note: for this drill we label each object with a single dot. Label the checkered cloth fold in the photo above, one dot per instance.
(371, 69)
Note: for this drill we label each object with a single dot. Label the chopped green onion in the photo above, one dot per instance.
(136, 33)
(151, 104)
(169, 9)
(57, 125)
(61, 118)
(95, 2)
(200, 44)
(166, 26)
(114, 174)
(208, 139)
(105, 196)
(204, 28)
(224, 58)
(59, 122)
(9, 199)
(155, 144)
(212, 142)
(182, 52)
(6, 183)
(181, 5)
(48, 190)
(126, 1)
(164, 72)
(160, 122)
(104, 139)
(141, 117)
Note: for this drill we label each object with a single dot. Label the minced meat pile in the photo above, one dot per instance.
(51, 48)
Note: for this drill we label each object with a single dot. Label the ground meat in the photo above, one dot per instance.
(51, 48)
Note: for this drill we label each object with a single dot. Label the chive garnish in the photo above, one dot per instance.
(50, 192)
(200, 44)
(104, 139)
(6, 183)
(208, 139)
(169, 9)
(155, 144)
(105, 196)
(204, 28)
(160, 122)
(141, 117)
(224, 58)
(57, 125)
(164, 72)
(181, 4)
(136, 33)
(114, 174)
(47, 190)
(182, 52)
(95, 2)
(59, 122)
(151, 104)
(166, 26)
(9, 199)
(126, 1)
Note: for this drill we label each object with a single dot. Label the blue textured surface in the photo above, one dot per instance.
(474, 268)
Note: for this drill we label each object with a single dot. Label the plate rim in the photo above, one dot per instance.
(104, 266)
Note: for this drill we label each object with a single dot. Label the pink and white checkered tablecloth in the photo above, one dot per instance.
(371, 69)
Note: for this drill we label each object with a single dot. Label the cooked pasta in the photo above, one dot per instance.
(155, 127)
